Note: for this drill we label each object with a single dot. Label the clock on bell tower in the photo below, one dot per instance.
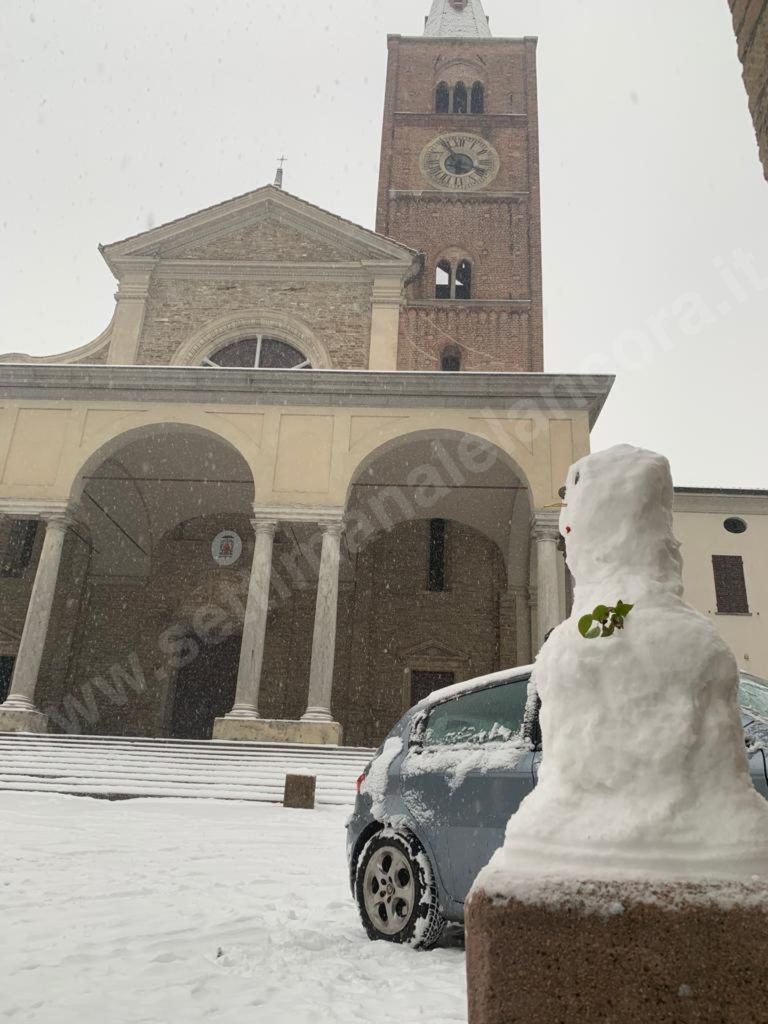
(459, 181)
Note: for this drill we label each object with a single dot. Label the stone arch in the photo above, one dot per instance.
(245, 324)
(454, 69)
(376, 445)
(438, 473)
(104, 448)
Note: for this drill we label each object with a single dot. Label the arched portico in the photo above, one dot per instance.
(324, 468)
(117, 660)
(437, 559)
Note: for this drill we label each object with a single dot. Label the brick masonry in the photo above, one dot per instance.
(750, 20)
(498, 229)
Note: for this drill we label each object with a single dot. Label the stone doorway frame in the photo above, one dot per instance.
(432, 656)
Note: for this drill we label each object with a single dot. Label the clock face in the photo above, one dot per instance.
(459, 162)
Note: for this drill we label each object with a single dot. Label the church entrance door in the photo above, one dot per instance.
(205, 689)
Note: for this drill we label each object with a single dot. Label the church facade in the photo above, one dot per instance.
(310, 471)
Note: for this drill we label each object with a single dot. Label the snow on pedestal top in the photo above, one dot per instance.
(644, 773)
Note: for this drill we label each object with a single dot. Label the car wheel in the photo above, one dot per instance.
(396, 891)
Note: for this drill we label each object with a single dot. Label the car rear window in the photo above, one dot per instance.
(480, 717)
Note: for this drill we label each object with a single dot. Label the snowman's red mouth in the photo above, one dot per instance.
(567, 529)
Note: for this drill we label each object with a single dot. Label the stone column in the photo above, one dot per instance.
(545, 532)
(523, 623)
(19, 712)
(324, 640)
(255, 624)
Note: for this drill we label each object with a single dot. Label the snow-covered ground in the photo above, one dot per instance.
(171, 912)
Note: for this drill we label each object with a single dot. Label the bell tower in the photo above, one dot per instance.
(459, 181)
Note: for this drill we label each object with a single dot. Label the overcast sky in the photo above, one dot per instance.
(117, 117)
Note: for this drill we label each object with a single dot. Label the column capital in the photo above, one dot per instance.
(62, 520)
(22, 508)
(264, 525)
(545, 525)
(335, 527)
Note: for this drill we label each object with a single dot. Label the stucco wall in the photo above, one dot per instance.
(699, 527)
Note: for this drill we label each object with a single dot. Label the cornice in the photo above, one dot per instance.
(473, 305)
(435, 195)
(456, 122)
(469, 42)
(228, 270)
(716, 502)
(249, 210)
(322, 515)
(337, 388)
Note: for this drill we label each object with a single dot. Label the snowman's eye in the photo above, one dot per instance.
(576, 479)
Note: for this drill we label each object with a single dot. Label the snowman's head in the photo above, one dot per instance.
(617, 517)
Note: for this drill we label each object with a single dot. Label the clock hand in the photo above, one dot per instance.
(448, 147)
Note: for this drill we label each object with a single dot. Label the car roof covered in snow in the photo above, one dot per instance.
(457, 689)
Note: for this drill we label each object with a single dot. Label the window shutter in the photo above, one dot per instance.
(730, 585)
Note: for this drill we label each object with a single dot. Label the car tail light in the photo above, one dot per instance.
(360, 782)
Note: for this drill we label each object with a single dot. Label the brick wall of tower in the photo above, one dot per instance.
(750, 19)
(497, 228)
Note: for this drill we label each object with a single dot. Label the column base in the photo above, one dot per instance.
(22, 720)
(640, 953)
(261, 730)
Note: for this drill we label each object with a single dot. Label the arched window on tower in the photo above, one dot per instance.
(443, 280)
(450, 360)
(460, 98)
(463, 288)
(478, 98)
(443, 99)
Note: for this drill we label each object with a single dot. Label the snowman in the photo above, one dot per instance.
(644, 773)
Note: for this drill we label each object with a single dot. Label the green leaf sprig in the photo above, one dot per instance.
(604, 621)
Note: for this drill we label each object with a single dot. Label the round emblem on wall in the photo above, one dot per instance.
(226, 548)
(460, 162)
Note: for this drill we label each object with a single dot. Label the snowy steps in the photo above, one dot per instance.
(125, 768)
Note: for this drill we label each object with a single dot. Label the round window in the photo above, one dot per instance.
(735, 525)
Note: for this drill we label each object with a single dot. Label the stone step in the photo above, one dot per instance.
(126, 768)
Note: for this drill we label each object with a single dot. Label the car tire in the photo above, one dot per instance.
(396, 891)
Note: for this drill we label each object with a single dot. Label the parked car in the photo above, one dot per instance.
(433, 804)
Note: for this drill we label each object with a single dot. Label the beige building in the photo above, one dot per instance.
(266, 503)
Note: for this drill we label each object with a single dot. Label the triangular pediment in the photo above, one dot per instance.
(431, 650)
(265, 226)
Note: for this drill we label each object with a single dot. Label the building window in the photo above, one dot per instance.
(730, 585)
(735, 525)
(259, 353)
(442, 99)
(21, 544)
(453, 284)
(478, 98)
(463, 288)
(438, 529)
(443, 280)
(460, 98)
(450, 360)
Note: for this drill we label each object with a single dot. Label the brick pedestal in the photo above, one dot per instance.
(619, 954)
